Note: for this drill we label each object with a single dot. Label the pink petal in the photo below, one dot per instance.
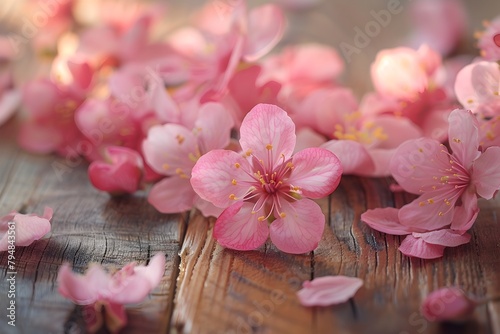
(220, 176)
(329, 290)
(447, 304)
(82, 290)
(266, 25)
(445, 237)
(485, 173)
(396, 129)
(381, 157)
(465, 214)
(307, 138)
(82, 74)
(353, 156)
(416, 247)
(172, 195)
(121, 175)
(214, 126)
(206, 208)
(168, 149)
(316, 172)
(39, 139)
(268, 133)
(238, 228)
(164, 106)
(301, 229)
(386, 220)
(463, 136)
(416, 162)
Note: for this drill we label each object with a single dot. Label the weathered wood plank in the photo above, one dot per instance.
(220, 290)
(88, 226)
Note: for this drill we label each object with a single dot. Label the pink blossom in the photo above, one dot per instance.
(328, 290)
(50, 124)
(120, 173)
(477, 87)
(448, 185)
(445, 304)
(173, 149)
(265, 191)
(96, 290)
(23, 229)
(489, 40)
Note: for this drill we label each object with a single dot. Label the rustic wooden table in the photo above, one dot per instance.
(209, 289)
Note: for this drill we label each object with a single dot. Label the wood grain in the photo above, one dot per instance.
(88, 226)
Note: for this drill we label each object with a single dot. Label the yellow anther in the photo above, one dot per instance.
(233, 197)
(234, 182)
(180, 139)
(282, 215)
(440, 214)
(248, 152)
(470, 101)
(430, 201)
(261, 218)
(237, 165)
(421, 150)
(289, 165)
(444, 179)
(421, 203)
(295, 188)
(456, 140)
(165, 166)
(181, 173)
(269, 147)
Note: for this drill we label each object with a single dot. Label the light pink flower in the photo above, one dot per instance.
(97, 290)
(328, 290)
(477, 87)
(489, 41)
(448, 184)
(121, 172)
(23, 229)
(172, 150)
(265, 190)
(447, 304)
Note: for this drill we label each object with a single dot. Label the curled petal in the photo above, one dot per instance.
(329, 290)
(28, 228)
(465, 214)
(268, 133)
(316, 172)
(301, 228)
(463, 136)
(238, 228)
(82, 290)
(447, 238)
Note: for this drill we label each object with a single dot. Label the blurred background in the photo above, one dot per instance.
(331, 22)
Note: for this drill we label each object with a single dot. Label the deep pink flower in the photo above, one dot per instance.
(265, 190)
(173, 149)
(448, 184)
(477, 87)
(121, 172)
(489, 40)
(447, 304)
(328, 290)
(27, 228)
(97, 290)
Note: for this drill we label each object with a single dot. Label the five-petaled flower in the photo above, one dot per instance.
(266, 190)
(449, 185)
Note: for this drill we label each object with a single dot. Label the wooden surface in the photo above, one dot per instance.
(209, 289)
